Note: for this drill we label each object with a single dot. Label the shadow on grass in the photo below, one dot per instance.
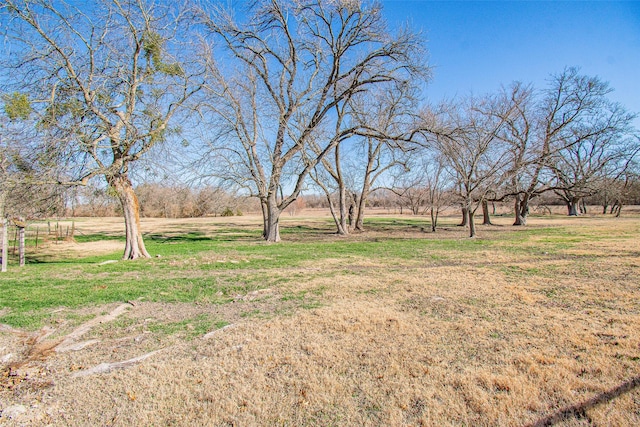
(199, 237)
(579, 410)
(86, 238)
(187, 237)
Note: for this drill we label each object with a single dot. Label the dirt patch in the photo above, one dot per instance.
(73, 249)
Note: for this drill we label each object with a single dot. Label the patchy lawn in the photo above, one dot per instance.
(394, 326)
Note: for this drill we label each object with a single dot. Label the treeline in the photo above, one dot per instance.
(161, 201)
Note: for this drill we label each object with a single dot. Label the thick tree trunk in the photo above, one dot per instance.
(572, 207)
(336, 219)
(486, 217)
(134, 246)
(516, 210)
(352, 215)
(472, 223)
(273, 220)
(465, 217)
(521, 210)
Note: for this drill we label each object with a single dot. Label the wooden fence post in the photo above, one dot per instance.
(22, 248)
(20, 224)
(5, 244)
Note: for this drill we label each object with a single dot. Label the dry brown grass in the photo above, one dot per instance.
(506, 338)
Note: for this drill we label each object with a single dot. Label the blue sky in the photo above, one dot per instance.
(476, 46)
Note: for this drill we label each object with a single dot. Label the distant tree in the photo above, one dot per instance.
(391, 113)
(465, 135)
(387, 116)
(550, 132)
(108, 80)
(614, 193)
(439, 190)
(584, 167)
(289, 66)
(424, 186)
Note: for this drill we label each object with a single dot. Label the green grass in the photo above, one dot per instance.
(214, 268)
(190, 328)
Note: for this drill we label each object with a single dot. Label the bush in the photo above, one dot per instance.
(227, 212)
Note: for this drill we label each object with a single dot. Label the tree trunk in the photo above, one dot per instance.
(472, 223)
(583, 206)
(434, 219)
(519, 220)
(572, 207)
(351, 215)
(486, 217)
(134, 246)
(343, 228)
(361, 206)
(465, 217)
(618, 209)
(265, 218)
(336, 219)
(273, 220)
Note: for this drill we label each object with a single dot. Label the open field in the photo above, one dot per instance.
(391, 327)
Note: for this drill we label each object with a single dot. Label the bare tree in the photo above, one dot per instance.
(386, 114)
(573, 111)
(582, 168)
(614, 193)
(287, 68)
(108, 79)
(439, 191)
(466, 137)
(390, 113)
(423, 185)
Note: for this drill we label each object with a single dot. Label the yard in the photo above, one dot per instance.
(395, 326)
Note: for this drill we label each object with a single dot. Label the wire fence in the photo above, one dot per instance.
(36, 236)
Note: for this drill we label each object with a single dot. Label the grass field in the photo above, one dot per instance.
(394, 326)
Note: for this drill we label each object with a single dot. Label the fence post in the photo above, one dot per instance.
(21, 228)
(5, 244)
